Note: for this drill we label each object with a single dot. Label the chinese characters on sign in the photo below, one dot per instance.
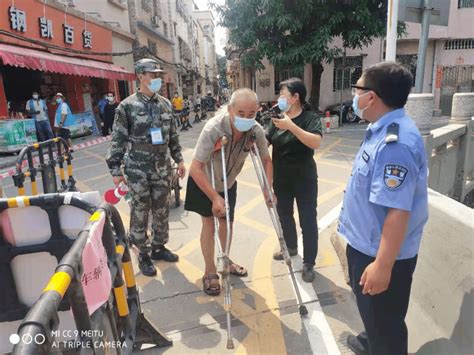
(68, 34)
(95, 274)
(46, 27)
(17, 19)
(87, 39)
(18, 23)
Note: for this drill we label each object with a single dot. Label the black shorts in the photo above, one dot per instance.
(197, 201)
(64, 133)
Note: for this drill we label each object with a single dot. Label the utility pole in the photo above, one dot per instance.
(342, 86)
(392, 22)
(425, 29)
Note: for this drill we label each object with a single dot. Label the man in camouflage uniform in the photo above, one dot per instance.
(143, 138)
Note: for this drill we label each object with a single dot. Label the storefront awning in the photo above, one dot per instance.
(55, 63)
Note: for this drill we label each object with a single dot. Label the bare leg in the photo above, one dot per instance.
(207, 244)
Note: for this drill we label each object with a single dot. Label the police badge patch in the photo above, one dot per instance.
(394, 175)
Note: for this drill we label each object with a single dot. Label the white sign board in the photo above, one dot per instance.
(412, 10)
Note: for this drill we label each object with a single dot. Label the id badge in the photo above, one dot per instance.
(156, 136)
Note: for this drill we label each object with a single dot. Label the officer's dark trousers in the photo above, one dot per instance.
(383, 314)
(305, 192)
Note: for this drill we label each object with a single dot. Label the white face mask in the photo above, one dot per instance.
(36, 97)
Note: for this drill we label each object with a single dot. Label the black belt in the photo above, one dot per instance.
(146, 147)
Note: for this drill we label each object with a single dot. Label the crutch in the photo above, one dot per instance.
(265, 186)
(223, 266)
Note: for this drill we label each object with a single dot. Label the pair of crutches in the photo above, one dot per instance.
(223, 263)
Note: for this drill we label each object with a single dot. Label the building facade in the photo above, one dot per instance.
(207, 48)
(49, 47)
(449, 64)
(115, 14)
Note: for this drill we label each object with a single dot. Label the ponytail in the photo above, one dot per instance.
(307, 106)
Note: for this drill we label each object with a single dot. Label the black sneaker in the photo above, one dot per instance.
(356, 345)
(165, 255)
(308, 273)
(146, 265)
(279, 255)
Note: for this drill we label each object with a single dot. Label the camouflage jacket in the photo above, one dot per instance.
(134, 118)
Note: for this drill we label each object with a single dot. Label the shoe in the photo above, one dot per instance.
(308, 273)
(189, 125)
(165, 255)
(279, 255)
(184, 129)
(146, 265)
(356, 346)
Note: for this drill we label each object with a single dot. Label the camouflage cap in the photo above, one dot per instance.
(147, 65)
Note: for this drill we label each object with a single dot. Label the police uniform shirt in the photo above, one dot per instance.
(389, 171)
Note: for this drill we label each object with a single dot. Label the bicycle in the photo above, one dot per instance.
(175, 187)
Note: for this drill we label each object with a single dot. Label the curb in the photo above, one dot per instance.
(75, 147)
(340, 245)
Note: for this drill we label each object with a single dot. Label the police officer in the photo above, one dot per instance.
(385, 209)
(143, 138)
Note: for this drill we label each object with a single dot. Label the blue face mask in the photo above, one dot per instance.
(243, 124)
(155, 85)
(59, 101)
(283, 104)
(355, 106)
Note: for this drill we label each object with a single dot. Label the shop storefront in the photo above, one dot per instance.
(47, 49)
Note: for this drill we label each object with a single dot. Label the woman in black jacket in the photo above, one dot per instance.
(294, 138)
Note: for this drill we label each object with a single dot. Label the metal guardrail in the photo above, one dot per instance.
(119, 320)
(46, 168)
(451, 161)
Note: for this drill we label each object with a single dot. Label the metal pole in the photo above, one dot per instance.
(425, 29)
(342, 86)
(392, 21)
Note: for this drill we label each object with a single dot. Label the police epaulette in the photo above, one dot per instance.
(392, 133)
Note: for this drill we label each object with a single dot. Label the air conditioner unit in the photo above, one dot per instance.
(155, 20)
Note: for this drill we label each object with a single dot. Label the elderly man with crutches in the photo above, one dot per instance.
(223, 145)
(220, 154)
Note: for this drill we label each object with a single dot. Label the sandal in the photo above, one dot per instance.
(237, 270)
(208, 287)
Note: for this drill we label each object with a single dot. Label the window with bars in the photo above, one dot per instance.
(152, 47)
(282, 74)
(409, 61)
(146, 5)
(352, 72)
(465, 43)
(465, 3)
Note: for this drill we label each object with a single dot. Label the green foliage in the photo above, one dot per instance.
(222, 67)
(295, 32)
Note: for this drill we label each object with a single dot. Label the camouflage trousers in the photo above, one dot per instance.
(149, 195)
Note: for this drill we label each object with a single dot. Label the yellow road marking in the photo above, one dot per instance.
(331, 193)
(336, 165)
(321, 152)
(97, 177)
(94, 155)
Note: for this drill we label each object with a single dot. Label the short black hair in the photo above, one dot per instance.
(111, 92)
(391, 81)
